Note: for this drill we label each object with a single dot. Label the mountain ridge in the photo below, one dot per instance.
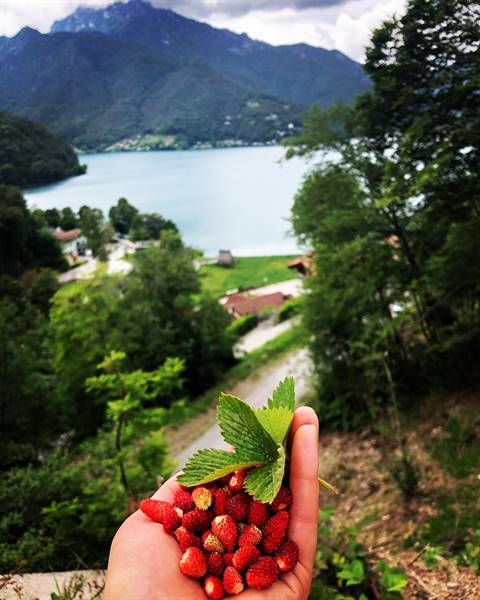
(288, 71)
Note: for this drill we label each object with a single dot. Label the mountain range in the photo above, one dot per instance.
(132, 75)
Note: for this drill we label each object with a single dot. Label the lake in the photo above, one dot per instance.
(236, 198)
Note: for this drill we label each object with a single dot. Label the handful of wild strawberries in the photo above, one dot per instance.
(230, 515)
(227, 538)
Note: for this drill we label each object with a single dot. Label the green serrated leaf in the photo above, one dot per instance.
(284, 395)
(263, 483)
(276, 422)
(209, 465)
(241, 428)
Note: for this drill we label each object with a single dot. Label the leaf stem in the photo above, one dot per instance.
(328, 486)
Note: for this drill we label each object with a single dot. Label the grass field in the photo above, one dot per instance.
(249, 271)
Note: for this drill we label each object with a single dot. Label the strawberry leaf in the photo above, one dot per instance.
(241, 428)
(276, 422)
(284, 395)
(263, 483)
(209, 465)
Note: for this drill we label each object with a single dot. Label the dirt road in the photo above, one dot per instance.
(255, 390)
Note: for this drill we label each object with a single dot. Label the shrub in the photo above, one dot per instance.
(242, 325)
(291, 308)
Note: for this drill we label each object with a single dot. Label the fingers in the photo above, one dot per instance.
(304, 485)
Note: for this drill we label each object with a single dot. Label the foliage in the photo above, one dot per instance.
(68, 219)
(289, 309)
(121, 216)
(30, 154)
(343, 569)
(251, 271)
(242, 325)
(97, 232)
(24, 245)
(259, 438)
(391, 218)
(149, 226)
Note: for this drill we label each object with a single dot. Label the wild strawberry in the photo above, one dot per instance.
(225, 479)
(215, 564)
(228, 558)
(202, 497)
(186, 539)
(282, 500)
(286, 557)
(179, 511)
(213, 588)
(154, 509)
(237, 506)
(258, 513)
(197, 520)
(193, 563)
(220, 499)
(184, 500)
(274, 531)
(236, 481)
(211, 543)
(245, 557)
(262, 574)
(250, 536)
(232, 581)
(225, 528)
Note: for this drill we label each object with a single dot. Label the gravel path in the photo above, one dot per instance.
(255, 391)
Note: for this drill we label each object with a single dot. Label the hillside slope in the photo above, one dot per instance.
(30, 154)
(300, 73)
(94, 91)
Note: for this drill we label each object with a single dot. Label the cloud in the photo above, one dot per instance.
(345, 25)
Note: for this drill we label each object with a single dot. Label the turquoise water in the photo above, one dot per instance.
(236, 198)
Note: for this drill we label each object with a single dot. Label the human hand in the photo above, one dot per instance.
(143, 562)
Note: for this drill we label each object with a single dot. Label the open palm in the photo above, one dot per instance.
(143, 563)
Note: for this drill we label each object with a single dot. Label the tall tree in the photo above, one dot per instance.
(121, 216)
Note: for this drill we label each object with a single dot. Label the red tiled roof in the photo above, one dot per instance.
(243, 305)
(67, 236)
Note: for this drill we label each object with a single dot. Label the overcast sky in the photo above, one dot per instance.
(341, 24)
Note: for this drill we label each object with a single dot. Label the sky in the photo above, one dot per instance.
(341, 24)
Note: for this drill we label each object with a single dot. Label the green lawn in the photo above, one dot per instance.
(248, 271)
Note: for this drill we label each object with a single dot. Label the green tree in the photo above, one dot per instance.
(84, 324)
(52, 217)
(97, 232)
(121, 216)
(68, 219)
(391, 209)
(149, 226)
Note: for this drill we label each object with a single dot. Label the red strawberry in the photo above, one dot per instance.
(236, 481)
(193, 563)
(186, 539)
(274, 531)
(220, 499)
(228, 558)
(211, 543)
(213, 588)
(202, 497)
(237, 506)
(287, 556)
(250, 536)
(282, 500)
(154, 509)
(262, 574)
(197, 520)
(232, 581)
(184, 500)
(225, 528)
(244, 557)
(258, 513)
(215, 563)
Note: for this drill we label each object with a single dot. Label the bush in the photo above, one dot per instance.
(242, 325)
(291, 308)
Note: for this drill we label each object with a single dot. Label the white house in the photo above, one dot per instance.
(71, 241)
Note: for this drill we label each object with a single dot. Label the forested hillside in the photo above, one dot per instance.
(30, 154)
